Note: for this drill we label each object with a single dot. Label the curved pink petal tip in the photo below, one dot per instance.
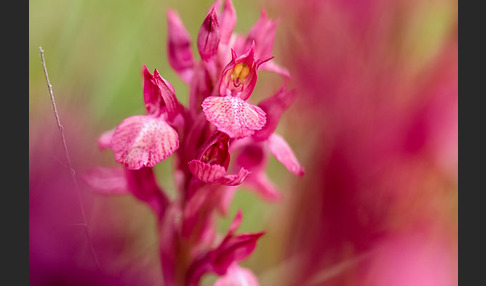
(284, 154)
(179, 50)
(209, 173)
(209, 36)
(143, 141)
(206, 172)
(233, 116)
(237, 275)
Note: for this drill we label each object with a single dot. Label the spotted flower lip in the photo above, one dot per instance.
(159, 95)
(273, 107)
(143, 141)
(233, 116)
(230, 112)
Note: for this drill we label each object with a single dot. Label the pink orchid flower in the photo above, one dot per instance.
(230, 112)
(145, 140)
(233, 248)
(210, 166)
(202, 138)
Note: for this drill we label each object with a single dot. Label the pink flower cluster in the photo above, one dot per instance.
(219, 123)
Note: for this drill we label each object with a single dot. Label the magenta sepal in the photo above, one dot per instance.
(159, 95)
(284, 154)
(273, 107)
(233, 248)
(209, 36)
(216, 173)
(179, 50)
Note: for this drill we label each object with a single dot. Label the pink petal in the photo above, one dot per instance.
(143, 141)
(104, 141)
(237, 276)
(282, 152)
(209, 36)
(273, 107)
(107, 180)
(143, 185)
(233, 248)
(252, 156)
(233, 116)
(275, 68)
(159, 93)
(263, 33)
(236, 248)
(210, 173)
(206, 172)
(234, 180)
(228, 21)
(179, 47)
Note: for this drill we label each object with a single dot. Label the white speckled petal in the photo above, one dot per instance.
(143, 141)
(233, 116)
(206, 172)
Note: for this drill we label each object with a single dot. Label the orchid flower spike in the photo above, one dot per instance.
(218, 123)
